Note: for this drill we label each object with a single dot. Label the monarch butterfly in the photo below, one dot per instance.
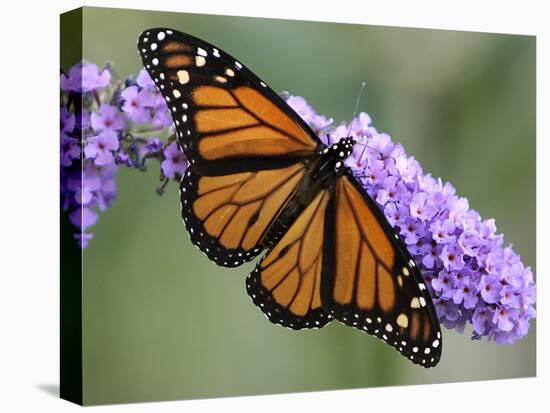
(261, 180)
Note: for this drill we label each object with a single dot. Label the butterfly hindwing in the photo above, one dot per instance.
(229, 216)
(227, 120)
(286, 283)
(369, 280)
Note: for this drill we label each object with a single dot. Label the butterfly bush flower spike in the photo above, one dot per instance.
(105, 124)
(472, 277)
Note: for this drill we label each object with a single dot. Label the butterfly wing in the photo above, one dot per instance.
(227, 120)
(246, 146)
(286, 283)
(228, 216)
(369, 280)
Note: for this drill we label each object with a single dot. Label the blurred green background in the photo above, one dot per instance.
(162, 322)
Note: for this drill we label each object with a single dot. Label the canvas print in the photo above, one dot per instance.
(257, 206)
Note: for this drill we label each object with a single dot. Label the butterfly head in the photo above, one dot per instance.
(346, 146)
(340, 151)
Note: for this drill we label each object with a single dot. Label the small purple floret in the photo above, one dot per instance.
(175, 163)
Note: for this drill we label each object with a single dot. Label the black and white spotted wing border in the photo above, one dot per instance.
(276, 313)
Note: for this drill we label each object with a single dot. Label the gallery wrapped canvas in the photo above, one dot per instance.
(223, 178)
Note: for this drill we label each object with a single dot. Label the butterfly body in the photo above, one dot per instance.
(260, 180)
(320, 174)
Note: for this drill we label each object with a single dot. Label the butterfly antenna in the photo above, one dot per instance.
(361, 89)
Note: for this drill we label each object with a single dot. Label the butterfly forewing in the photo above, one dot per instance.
(369, 280)
(227, 120)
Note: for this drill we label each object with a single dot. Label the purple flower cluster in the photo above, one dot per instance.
(106, 123)
(472, 277)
